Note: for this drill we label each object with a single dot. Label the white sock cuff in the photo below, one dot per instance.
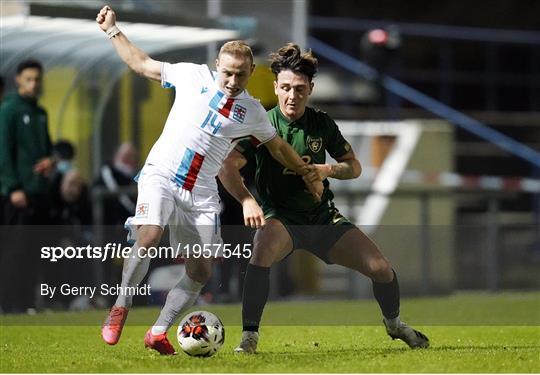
(189, 285)
(158, 330)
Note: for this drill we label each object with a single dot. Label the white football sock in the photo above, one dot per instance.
(133, 272)
(179, 299)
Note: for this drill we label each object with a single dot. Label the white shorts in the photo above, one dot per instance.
(192, 218)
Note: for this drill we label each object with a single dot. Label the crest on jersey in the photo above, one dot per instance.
(142, 210)
(314, 143)
(239, 113)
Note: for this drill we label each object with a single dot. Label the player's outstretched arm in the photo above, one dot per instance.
(232, 180)
(286, 155)
(135, 58)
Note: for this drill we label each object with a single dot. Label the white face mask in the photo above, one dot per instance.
(64, 166)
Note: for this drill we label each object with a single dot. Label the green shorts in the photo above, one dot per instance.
(316, 232)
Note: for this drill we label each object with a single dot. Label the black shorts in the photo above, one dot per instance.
(316, 232)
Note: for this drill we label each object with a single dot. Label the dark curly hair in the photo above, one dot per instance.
(290, 57)
(29, 64)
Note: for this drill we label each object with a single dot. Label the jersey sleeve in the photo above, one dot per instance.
(174, 75)
(246, 147)
(337, 145)
(263, 131)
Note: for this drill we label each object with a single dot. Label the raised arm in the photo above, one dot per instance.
(232, 180)
(135, 58)
(286, 155)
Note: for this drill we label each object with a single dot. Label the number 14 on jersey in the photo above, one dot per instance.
(211, 120)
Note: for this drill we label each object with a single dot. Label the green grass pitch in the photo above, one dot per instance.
(469, 333)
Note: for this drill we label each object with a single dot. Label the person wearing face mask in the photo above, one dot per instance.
(25, 167)
(63, 153)
(119, 172)
(177, 186)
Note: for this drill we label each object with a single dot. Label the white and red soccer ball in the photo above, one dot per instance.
(201, 334)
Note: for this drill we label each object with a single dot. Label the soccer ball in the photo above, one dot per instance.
(201, 334)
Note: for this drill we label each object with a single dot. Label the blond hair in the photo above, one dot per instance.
(236, 48)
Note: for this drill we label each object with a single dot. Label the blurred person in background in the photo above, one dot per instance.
(64, 155)
(71, 213)
(119, 173)
(25, 165)
(72, 202)
(290, 218)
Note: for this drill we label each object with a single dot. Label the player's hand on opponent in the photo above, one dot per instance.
(106, 18)
(313, 180)
(320, 173)
(253, 214)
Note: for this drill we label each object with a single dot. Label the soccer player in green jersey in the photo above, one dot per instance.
(290, 218)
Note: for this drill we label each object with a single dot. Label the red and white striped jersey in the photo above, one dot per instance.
(203, 126)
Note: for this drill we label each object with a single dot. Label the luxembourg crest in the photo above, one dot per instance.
(239, 113)
(314, 143)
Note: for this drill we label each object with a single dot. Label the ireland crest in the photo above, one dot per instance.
(314, 143)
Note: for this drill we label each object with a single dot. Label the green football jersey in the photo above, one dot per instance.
(311, 136)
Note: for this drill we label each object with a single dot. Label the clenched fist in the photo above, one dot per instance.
(106, 18)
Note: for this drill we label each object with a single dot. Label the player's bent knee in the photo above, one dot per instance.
(263, 256)
(380, 270)
(200, 275)
(199, 271)
(149, 235)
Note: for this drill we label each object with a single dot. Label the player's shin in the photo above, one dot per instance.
(135, 268)
(179, 299)
(255, 295)
(387, 295)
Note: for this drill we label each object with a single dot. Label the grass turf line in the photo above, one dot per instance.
(292, 348)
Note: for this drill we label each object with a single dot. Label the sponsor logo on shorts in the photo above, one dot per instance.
(142, 210)
(314, 143)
